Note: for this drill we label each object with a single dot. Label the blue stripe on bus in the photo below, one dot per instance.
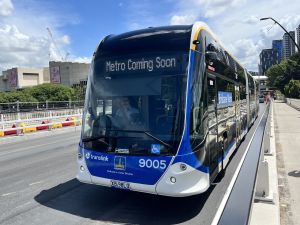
(136, 169)
(185, 152)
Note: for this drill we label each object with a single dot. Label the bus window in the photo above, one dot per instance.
(199, 103)
(212, 124)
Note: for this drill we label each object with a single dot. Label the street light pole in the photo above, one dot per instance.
(275, 21)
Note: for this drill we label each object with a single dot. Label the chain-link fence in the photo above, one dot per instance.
(39, 106)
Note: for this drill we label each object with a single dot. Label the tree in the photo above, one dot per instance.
(51, 92)
(79, 93)
(292, 89)
(14, 96)
(275, 76)
(279, 75)
(39, 93)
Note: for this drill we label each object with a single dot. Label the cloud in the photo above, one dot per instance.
(20, 49)
(251, 20)
(179, 20)
(236, 23)
(65, 40)
(6, 7)
(204, 8)
(81, 59)
(26, 43)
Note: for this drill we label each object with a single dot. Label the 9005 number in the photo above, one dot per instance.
(156, 164)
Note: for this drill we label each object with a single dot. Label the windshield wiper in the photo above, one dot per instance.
(95, 138)
(148, 134)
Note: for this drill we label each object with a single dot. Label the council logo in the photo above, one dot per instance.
(120, 163)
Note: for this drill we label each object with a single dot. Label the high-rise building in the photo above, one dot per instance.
(288, 45)
(277, 44)
(268, 58)
(260, 69)
(298, 35)
(293, 46)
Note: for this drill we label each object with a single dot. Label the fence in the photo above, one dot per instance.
(39, 106)
(23, 122)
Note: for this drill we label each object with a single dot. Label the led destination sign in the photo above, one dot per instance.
(145, 64)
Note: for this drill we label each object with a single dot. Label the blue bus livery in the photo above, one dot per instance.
(165, 108)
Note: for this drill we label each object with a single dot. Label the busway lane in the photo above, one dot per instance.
(23, 174)
(66, 201)
(37, 142)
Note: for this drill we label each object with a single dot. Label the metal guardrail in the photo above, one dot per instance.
(237, 209)
(14, 107)
(20, 122)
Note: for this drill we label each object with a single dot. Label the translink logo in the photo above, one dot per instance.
(96, 157)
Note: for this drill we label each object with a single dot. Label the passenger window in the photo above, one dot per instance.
(211, 101)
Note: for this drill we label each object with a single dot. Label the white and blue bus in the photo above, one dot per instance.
(165, 109)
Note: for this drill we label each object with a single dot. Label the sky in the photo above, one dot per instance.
(77, 26)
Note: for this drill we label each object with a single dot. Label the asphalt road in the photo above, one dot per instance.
(38, 186)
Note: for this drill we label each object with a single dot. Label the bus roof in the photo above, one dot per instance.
(154, 39)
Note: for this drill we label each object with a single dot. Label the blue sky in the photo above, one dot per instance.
(78, 25)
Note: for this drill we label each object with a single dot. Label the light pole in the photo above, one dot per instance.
(275, 21)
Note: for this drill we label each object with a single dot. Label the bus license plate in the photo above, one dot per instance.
(120, 184)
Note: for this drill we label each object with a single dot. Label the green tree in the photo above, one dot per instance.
(14, 96)
(275, 76)
(279, 75)
(292, 89)
(39, 93)
(79, 93)
(51, 92)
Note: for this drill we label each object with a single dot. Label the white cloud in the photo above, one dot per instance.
(6, 7)
(19, 49)
(65, 40)
(81, 59)
(26, 43)
(237, 24)
(179, 20)
(251, 19)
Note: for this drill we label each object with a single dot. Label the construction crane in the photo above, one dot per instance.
(55, 45)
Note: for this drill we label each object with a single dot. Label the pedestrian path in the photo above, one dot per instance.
(287, 131)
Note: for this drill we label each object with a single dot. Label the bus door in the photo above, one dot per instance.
(214, 150)
(237, 113)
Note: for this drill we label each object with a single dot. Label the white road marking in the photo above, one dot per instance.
(230, 186)
(34, 183)
(7, 194)
(27, 203)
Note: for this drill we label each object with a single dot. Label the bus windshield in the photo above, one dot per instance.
(135, 104)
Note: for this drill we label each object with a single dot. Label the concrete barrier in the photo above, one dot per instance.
(20, 123)
(295, 103)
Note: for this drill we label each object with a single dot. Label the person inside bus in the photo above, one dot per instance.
(127, 115)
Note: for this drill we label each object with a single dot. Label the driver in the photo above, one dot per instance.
(126, 112)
